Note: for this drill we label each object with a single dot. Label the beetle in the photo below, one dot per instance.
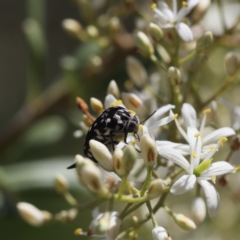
(110, 127)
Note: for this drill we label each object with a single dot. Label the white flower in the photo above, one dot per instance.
(159, 233)
(166, 18)
(198, 171)
(189, 116)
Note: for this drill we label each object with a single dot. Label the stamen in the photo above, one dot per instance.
(194, 154)
(78, 231)
(134, 143)
(196, 134)
(175, 116)
(214, 179)
(207, 111)
(184, 4)
(140, 127)
(153, 6)
(116, 103)
(212, 148)
(222, 139)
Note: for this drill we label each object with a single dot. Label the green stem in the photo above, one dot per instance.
(154, 222)
(154, 59)
(122, 187)
(135, 207)
(70, 199)
(129, 199)
(187, 58)
(147, 181)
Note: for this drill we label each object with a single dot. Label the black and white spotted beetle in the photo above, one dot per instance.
(110, 127)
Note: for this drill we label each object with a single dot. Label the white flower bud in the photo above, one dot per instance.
(198, 210)
(200, 9)
(102, 155)
(156, 188)
(204, 42)
(136, 72)
(231, 63)
(160, 233)
(155, 32)
(174, 76)
(67, 216)
(92, 31)
(60, 183)
(149, 150)
(32, 215)
(91, 177)
(144, 44)
(131, 101)
(96, 105)
(129, 158)
(118, 162)
(184, 222)
(72, 27)
(113, 89)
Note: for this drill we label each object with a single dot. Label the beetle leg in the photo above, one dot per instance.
(112, 141)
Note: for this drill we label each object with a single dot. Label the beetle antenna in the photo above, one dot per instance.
(147, 117)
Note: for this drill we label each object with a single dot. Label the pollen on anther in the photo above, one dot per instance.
(207, 111)
(153, 6)
(222, 139)
(78, 231)
(194, 154)
(184, 4)
(212, 148)
(175, 116)
(196, 134)
(134, 143)
(131, 111)
(140, 127)
(116, 103)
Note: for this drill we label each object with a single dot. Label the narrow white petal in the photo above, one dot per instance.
(215, 135)
(161, 122)
(174, 156)
(185, 10)
(184, 32)
(160, 17)
(216, 169)
(182, 148)
(166, 10)
(183, 184)
(212, 197)
(189, 115)
(109, 99)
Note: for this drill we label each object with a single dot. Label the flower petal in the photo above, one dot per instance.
(184, 32)
(212, 197)
(216, 169)
(175, 156)
(215, 135)
(180, 147)
(189, 115)
(185, 10)
(183, 184)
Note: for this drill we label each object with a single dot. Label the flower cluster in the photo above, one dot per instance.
(137, 150)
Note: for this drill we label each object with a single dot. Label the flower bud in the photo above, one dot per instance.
(149, 150)
(231, 63)
(96, 105)
(184, 222)
(113, 89)
(72, 27)
(174, 76)
(92, 31)
(118, 162)
(61, 184)
(200, 9)
(90, 176)
(235, 143)
(198, 210)
(143, 43)
(155, 32)
(129, 158)
(32, 215)
(156, 188)
(159, 233)
(136, 72)
(204, 42)
(102, 155)
(131, 101)
(67, 216)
